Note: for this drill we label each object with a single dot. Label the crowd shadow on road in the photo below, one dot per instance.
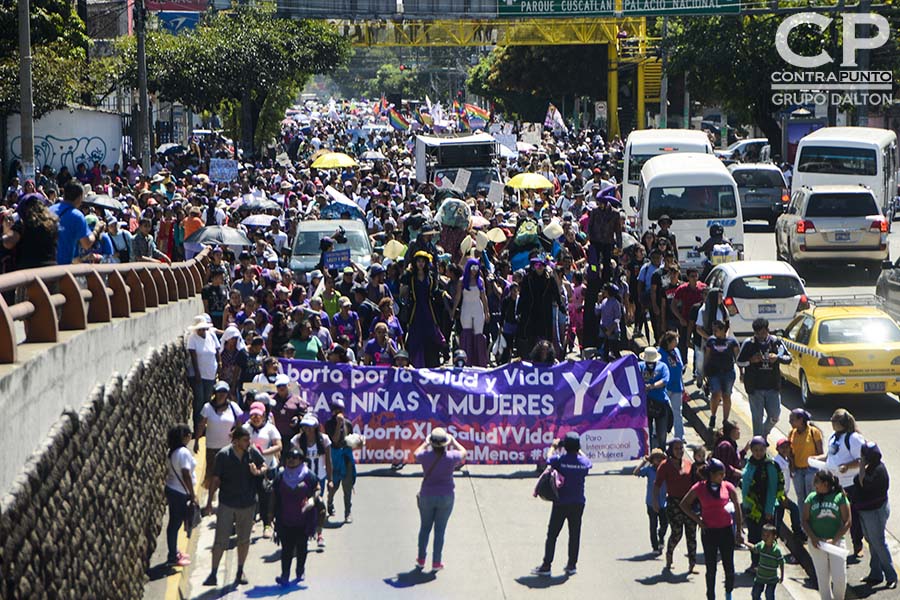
(665, 577)
(273, 591)
(160, 571)
(410, 578)
(645, 557)
(536, 582)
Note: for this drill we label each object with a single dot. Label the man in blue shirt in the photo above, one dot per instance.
(574, 467)
(73, 228)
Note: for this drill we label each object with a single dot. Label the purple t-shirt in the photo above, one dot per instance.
(440, 480)
(574, 468)
(346, 326)
(381, 355)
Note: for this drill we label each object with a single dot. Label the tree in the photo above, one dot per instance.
(521, 80)
(731, 60)
(392, 79)
(242, 56)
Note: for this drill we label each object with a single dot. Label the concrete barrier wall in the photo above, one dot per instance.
(53, 377)
(82, 518)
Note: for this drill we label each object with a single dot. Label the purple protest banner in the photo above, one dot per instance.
(510, 414)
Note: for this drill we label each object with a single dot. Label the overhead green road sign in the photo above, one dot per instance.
(556, 8)
(680, 7)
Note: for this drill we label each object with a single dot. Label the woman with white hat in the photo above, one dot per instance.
(656, 377)
(203, 347)
(435, 497)
(317, 446)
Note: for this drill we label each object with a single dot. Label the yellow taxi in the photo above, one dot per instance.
(843, 350)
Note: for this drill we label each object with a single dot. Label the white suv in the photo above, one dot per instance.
(836, 223)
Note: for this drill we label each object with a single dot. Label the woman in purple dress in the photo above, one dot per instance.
(294, 490)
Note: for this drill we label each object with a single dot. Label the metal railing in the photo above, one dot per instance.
(66, 298)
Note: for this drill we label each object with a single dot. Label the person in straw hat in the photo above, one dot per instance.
(656, 376)
(439, 455)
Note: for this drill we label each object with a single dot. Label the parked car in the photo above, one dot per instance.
(842, 349)
(762, 189)
(759, 288)
(306, 253)
(837, 223)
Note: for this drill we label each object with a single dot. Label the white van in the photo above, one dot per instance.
(644, 144)
(849, 156)
(697, 191)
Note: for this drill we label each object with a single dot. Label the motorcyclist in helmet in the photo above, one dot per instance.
(716, 236)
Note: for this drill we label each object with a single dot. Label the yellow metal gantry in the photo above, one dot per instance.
(626, 40)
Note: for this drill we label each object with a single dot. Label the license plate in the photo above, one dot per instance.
(873, 386)
(693, 254)
(842, 236)
(767, 309)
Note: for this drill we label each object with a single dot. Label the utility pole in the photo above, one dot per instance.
(664, 80)
(144, 118)
(26, 110)
(686, 110)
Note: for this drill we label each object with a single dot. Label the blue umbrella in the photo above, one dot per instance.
(339, 205)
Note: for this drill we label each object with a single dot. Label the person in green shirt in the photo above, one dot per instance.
(826, 519)
(306, 346)
(770, 565)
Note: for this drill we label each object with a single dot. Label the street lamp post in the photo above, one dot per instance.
(26, 110)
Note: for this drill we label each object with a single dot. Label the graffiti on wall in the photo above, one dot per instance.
(59, 152)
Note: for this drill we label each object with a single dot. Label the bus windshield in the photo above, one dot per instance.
(838, 161)
(692, 202)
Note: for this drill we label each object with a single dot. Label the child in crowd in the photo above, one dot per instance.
(770, 570)
(783, 460)
(659, 523)
(699, 461)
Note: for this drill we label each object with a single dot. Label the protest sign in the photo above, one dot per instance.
(507, 415)
(223, 170)
(337, 259)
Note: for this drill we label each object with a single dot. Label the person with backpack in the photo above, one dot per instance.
(720, 524)
(573, 465)
(435, 497)
(761, 357)
(217, 418)
(316, 446)
(293, 488)
(762, 484)
(343, 464)
(874, 509)
(806, 442)
(842, 455)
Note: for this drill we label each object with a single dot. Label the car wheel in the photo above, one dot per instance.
(807, 398)
(772, 223)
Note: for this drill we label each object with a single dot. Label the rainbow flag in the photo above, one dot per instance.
(456, 107)
(424, 118)
(477, 111)
(464, 123)
(397, 121)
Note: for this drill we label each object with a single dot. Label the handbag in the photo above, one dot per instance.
(655, 409)
(548, 484)
(193, 514)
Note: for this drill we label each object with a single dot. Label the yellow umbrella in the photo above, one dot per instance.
(529, 181)
(334, 160)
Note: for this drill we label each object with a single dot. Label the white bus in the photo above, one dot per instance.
(849, 156)
(644, 144)
(697, 191)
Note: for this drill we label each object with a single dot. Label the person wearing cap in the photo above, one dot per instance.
(294, 492)
(347, 283)
(317, 447)
(401, 360)
(121, 240)
(826, 519)
(806, 441)
(265, 437)
(675, 474)
(605, 234)
(720, 532)
(658, 522)
(343, 464)
(236, 474)
(760, 358)
(377, 289)
(761, 489)
(872, 505)
(439, 455)
(203, 349)
(365, 308)
(573, 465)
(655, 374)
(665, 233)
